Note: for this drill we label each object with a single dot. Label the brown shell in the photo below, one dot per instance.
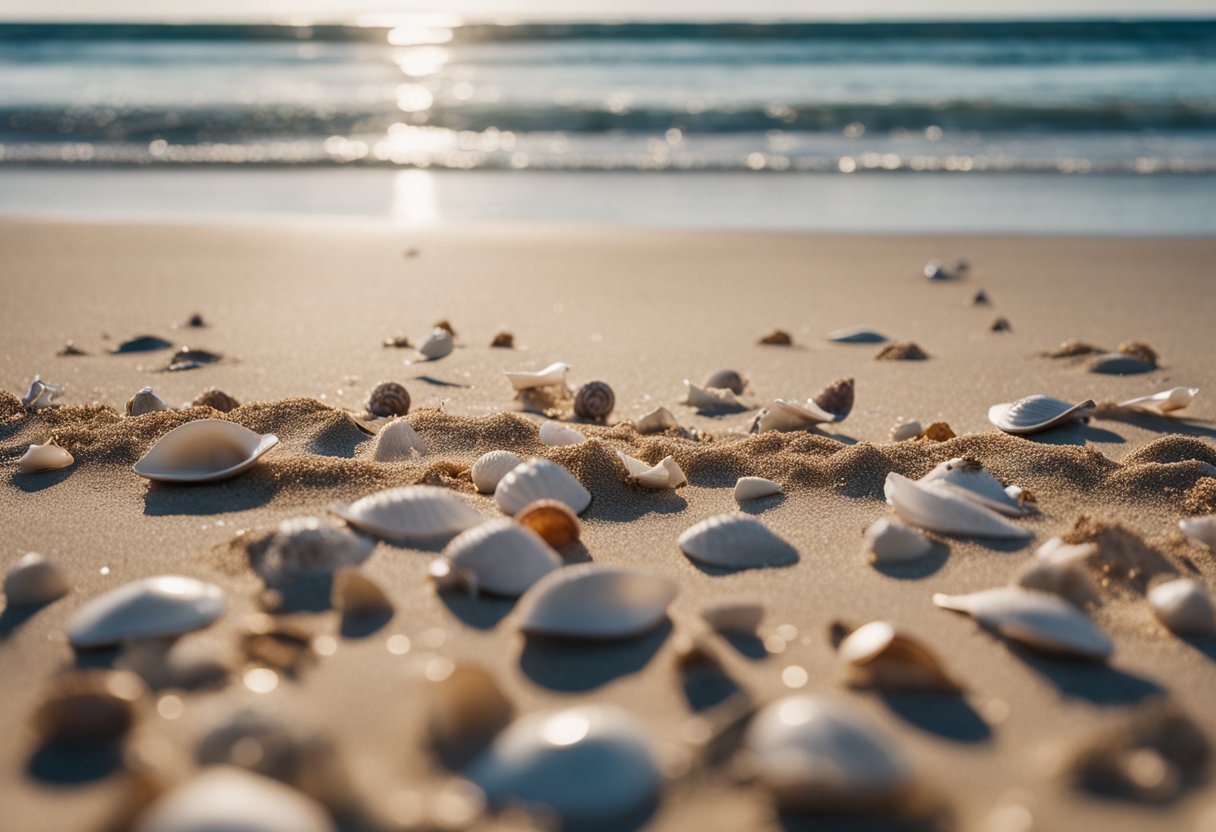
(90, 706)
(503, 340)
(726, 380)
(837, 397)
(217, 399)
(1002, 325)
(70, 348)
(552, 520)
(1140, 350)
(446, 326)
(389, 399)
(594, 400)
(1072, 348)
(777, 338)
(901, 351)
(196, 320)
(938, 432)
(980, 299)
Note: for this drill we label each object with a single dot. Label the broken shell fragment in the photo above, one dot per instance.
(710, 398)
(967, 478)
(1038, 620)
(539, 479)
(590, 601)
(398, 441)
(552, 520)
(166, 605)
(594, 400)
(41, 395)
(40, 458)
(741, 617)
(904, 431)
(857, 335)
(1036, 413)
(389, 399)
(556, 435)
(306, 547)
(206, 450)
(145, 401)
(730, 380)
(500, 557)
(1200, 529)
(35, 579)
(889, 541)
(437, 344)
(1167, 401)
(228, 798)
(784, 415)
(753, 488)
(1184, 606)
(938, 510)
(656, 421)
(735, 541)
(553, 375)
(412, 512)
(878, 656)
(664, 474)
(938, 432)
(89, 706)
(355, 594)
(492, 467)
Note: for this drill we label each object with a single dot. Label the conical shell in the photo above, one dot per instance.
(879, 656)
(227, 799)
(437, 344)
(492, 467)
(35, 579)
(710, 398)
(1167, 401)
(500, 557)
(540, 479)
(355, 594)
(1184, 606)
(412, 512)
(1036, 413)
(41, 458)
(204, 451)
(554, 374)
(967, 478)
(304, 547)
(753, 488)
(145, 401)
(857, 335)
(735, 541)
(665, 474)
(1038, 620)
(398, 441)
(785, 416)
(595, 602)
(889, 541)
(1200, 529)
(555, 434)
(656, 421)
(936, 510)
(742, 617)
(167, 605)
(41, 395)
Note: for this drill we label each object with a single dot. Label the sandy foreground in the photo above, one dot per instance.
(299, 313)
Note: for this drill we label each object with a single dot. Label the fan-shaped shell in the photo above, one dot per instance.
(398, 441)
(735, 541)
(657, 421)
(40, 458)
(1166, 401)
(731, 380)
(1184, 606)
(836, 399)
(1036, 619)
(664, 474)
(166, 605)
(753, 488)
(500, 557)
(557, 435)
(889, 541)
(937, 510)
(228, 799)
(492, 467)
(145, 401)
(204, 451)
(734, 616)
(1036, 413)
(539, 479)
(1200, 529)
(710, 398)
(554, 374)
(35, 579)
(304, 547)
(437, 344)
(857, 335)
(783, 415)
(412, 512)
(41, 395)
(967, 478)
(594, 400)
(595, 602)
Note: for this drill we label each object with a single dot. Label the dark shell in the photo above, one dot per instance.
(837, 397)
(980, 299)
(777, 338)
(594, 400)
(504, 340)
(89, 706)
(389, 399)
(726, 380)
(446, 326)
(552, 520)
(217, 399)
(70, 348)
(1140, 350)
(196, 320)
(188, 359)
(1002, 325)
(143, 343)
(398, 342)
(903, 351)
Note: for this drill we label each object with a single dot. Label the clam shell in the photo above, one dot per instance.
(40, 458)
(1036, 413)
(857, 335)
(938, 510)
(906, 430)
(41, 395)
(735, 541)
(587, 764)
(500, 557)
(1120, 364)
(879, 656)
(753, 488)
(552, 520)
(166, 605)
(217, 399)
(204, 451)
(355, 594)
(1038, 620)
(710, 398)
(412, 512)
(35, 579)
(1166, 401)
(304, 547)
(89, 706)
(228, 799)
(967, 478)
(665, 474)
(145, 401)
(889, 541)
(492, 467)
(1200, 529)
(554, 374)
(730, 380)
(1184, 606)
(656, 421)
(437, 344)
(784, 416)
(398, 441)
(742, 617)
(595, 602)
(557, 435)
(539, 479)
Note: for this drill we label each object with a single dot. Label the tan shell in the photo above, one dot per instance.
(594, 400)
(41, 458)
(837, 398)
(217, 399)
(35, 579)
(879, 656)
(503, 340)
(552, 520)
(901, 351)
(938, 432)
(89, 706)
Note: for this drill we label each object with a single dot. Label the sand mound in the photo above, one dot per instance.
(1169, 449)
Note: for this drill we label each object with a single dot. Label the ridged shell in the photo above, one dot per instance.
(437, 344)
(398, 441)
(227, 799)
(1184, 606)
(35, 579)
(657, 421)
(500, 557)
(41, 395)
(555, 434)
(710, 398)
(881, 657)
(539, 479)
(889, 541)
(735, 541)
(304, 547)
(967, 478)
(412, 512)
(782, 415)
(1119, 364)
(742, 617)
(1036, 413)
(595, 602)
(355, 594)
(554, 374)
(1200, 529)
(939, 511)
(389, 399)
(1036, 619)
(730, 380)
(664, 474)
(40, 458)
(166, 605)
(204, 451)
(1166, 401)
(836, 399)
(753, 488)
(145, 401)
(594, 400)
(492, 467)
(857, 335)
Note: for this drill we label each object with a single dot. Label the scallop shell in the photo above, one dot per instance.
(557, 435)
(40, 458)
(588, 765)
(145, 401)
(437, 344)
(1120, 364)
(492, 467)
(554, 374)
(35, 579)
(741, 617)
(1184, 606)
(656, 421)
(539, 479)
(228, 798)
(967, 478)
(355, 594)
(412, 512)
(500, 557)
(857, 335)
(812, 752)
(594, 400)
(1036, 413)
(730, 380)
(1166, 401)
(204, 451)
(906, 430)
(304, 547)
(753, 488)
(1038, 620)
(398, 441)
(889, 541)
(665, 474)
(1200, 529)
(710, 398)
(89, 706)
(41, 395)
(879, 656)
(389, 399)
(217, 399)
(735, 541)
(785, 416)
(938, 510)
(552, 520)
(166, 605)
(596, 602)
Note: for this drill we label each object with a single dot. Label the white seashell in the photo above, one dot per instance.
(1036, 413)
(437, 345)
(710, 398)
(492, 467)
(304, 547)
(939, 510)
(595, 602)
(734, 616)
(204, 451)
(666, 474)
(967, 478)
(731, 380)
(907, 430)
(48, 457)
(539, 479)
(1166, 401)
(1120, 364)
(889, 541)
(813, 752)
(233, 800)
(412, 512)
(587, 764)
(554, 374)
(656, 421)
(555, 434)
(877, 655)
(35, 580)
(145, 401)
(500, 557)
(355, 594)
(1183, 606)
(784, 416)
(736, 541)
(1200, 529)
(166, 605)
(753, 488)
(41, 395)
(398, 441)
(857, 335)
(1036, 619)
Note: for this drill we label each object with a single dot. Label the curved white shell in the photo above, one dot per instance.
(500, 557)
(710, 398)
(665, 474)
(1200, 529)
(492, 467)
(1036, 619)
(1120, 364)
(736, 541)
(554, 374)
(304, 547)
(1166, 401)
(411, 512)
(753, 488)
(816, 752)
(937, 510)
(971, 481)
(437, 344)
(587, 764)
(166, 605)
(539, 479)
(733, 616)
(41, 395)
(857, 335)
(229, 799)
(889, 541)
(204, 451)
(1035, 413)
(596, 602)
(907, 430)
(48, 457)
(35, 579)
(1183, 606)
(398, 441)
(555, 434)
(783, 415)
(145, 401)
(656, 421)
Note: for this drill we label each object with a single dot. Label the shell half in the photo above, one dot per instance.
(889, 541)
(500, 557)
(736, 541)
(41, 395)
(938, 510)
(753, 488)
(554, 374)
(968, 479)
(492, 467)
(539, 479)
(556, 435)
(1166, 401)
(206, 450)
(1038, 620)
(656, 421)
(40, 458)
(783, 415)
(412, 512)
(397, 441)
(438, 344)
(665, 474)
(711, 398)
(166, 605)
(1036, 413)
(596, 602)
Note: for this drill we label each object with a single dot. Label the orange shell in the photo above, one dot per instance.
(552, 520)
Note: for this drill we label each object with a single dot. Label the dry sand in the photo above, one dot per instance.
(300, 313)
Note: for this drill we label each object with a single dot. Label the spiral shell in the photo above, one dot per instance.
(216, 399)
(389, 399)
(594, 400)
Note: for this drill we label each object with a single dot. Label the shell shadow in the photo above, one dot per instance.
(480, 612)
(1201, 644)
(15, 615)
(748, 645)
(707, 686)
(438, 382)
(362, 626)
(33, 483)
(1158, 423)
(250, 490)
(1094, 682)
(917, 569)
(579, 665)
(664, 501)
(574, 552)
(71, 766)
(790, 557)
(947, 715)
(1075, 435)
(874, 821)
(762, 504)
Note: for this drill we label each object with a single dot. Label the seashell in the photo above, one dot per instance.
(355, 594)
(492, 467)
(741, 617)
(166, 605)
(889, 541)
(967, 478)
(656, 421)
(665, 474)
(40, 458)
(1166, 401)
(41, 395)
(730, 380)
(446, 326)
(904, 431)
(142, 343)
(735, 541)
(398, 342)
(145, 401)
(438, 344)
(557, 435)
(1184, 606)
(878, 656)
(595, 602)
(389, 399)
(961, 267)
(812, 752)
(407, 513)
(204, 451)
(857, 335)
(503, 340)
(556, 524)
(228, 798)
(500, 557)
(89, 706)
(1059, 568)
(70, 349)
(191, 359)
(777, 338)
(1119, 364)
(1001, 325)
(710, 398)
(936, 270)
(980, 299)
(1140, 350)
(836, 398)
(1200, 529)
(216, 399)
(782, 415)
(594, 400)
(589, 765)
(539, 479)
(937, 510)
(901, 351)
(938, 432)
(35, 580)
(304, 547)
(196, 320)
(1038, 620)
(397, 441)
(465, 709)
(753, 488)
(553, 375)
(1036, 413)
